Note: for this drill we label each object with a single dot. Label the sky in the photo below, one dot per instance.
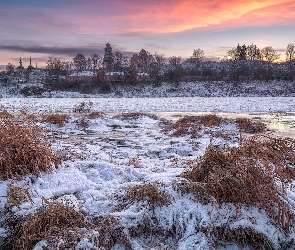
(63, 28)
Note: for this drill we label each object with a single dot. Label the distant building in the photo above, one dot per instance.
(83, 76)
(20, 69)
(30, 67)
(108, 58)
(141, 60)
(117, 76)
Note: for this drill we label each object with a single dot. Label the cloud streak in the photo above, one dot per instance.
(57, 51)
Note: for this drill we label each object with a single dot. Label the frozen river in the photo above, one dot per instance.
(173, 104)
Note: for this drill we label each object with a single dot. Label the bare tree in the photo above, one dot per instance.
(270, 55)
(175, 70)
(118, 61)
(157, 67)
(198, 54)
(253, 53)
(56, 68)
(80, 62)
(96, 61)
(10, 68)
(290, 57)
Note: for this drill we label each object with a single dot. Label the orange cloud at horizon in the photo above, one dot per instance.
(168, 16)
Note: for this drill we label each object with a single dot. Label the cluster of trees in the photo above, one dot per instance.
(240, 63)
(246, 63)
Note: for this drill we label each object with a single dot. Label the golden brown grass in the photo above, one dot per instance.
(248, 126)
(83, 107)
(17, 195)
(243, 237)
(24, 149)
(246, 175)
(95, 115)
(46, 223)
(147, 192)
(192, 125)
(63, 228)
(137, 115)
(58, 119)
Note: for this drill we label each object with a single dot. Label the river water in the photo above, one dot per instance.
(277, 112)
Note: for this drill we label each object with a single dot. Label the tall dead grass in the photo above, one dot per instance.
(47, 223)
(248, 126)
(192, 125)
(137, 115)
(24, 149)
(243, 237)
(58, 119)
(246, 175)
(147, 192)
(63, 228)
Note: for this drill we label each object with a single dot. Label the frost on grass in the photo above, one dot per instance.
(247, 175)
(146, 194)
(24, 148)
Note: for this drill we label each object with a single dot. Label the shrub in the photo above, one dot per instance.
(58, 119)
(247, 175)
(83, 107)
(63, 228)
(49, 221)
(95, 115)
(248, 126)
(24, 149)
(135, 115)
(192, 125)
(243, 237)
(148, 192)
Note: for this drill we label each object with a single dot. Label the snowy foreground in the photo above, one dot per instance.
(113, 154)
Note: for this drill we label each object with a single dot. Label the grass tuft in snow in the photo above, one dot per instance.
(248, 126)
(46, 224)
(246, 175)
(58, 119)
(83, 107)
(147, 192)
(192, 125)
(242, 237)
(24, 149)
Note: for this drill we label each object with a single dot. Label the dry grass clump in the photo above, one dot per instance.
(83, 122)
(83, 107)
(247, 175)
(147, 192)
(49, 221)
(243, 237)
(95, 115)
(5, 115)
(135, 115)
(58, 119)
(110, 232)
(63, 228)
(24, 149)
(17, 195)
(192, 125)
(248, 126)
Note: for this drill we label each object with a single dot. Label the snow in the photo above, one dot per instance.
(94, 179)
(83, 73)
(175, 104)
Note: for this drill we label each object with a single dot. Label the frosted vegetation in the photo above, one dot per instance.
(73, 177)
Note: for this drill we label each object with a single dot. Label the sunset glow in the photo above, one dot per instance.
(64, 28)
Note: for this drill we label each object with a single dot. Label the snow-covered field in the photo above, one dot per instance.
(182, 89)
(172, 104)
(113, 154)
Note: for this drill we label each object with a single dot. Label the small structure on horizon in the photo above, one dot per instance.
(108, 58)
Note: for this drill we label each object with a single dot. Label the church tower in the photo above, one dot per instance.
(30, 67)
(108, 58)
